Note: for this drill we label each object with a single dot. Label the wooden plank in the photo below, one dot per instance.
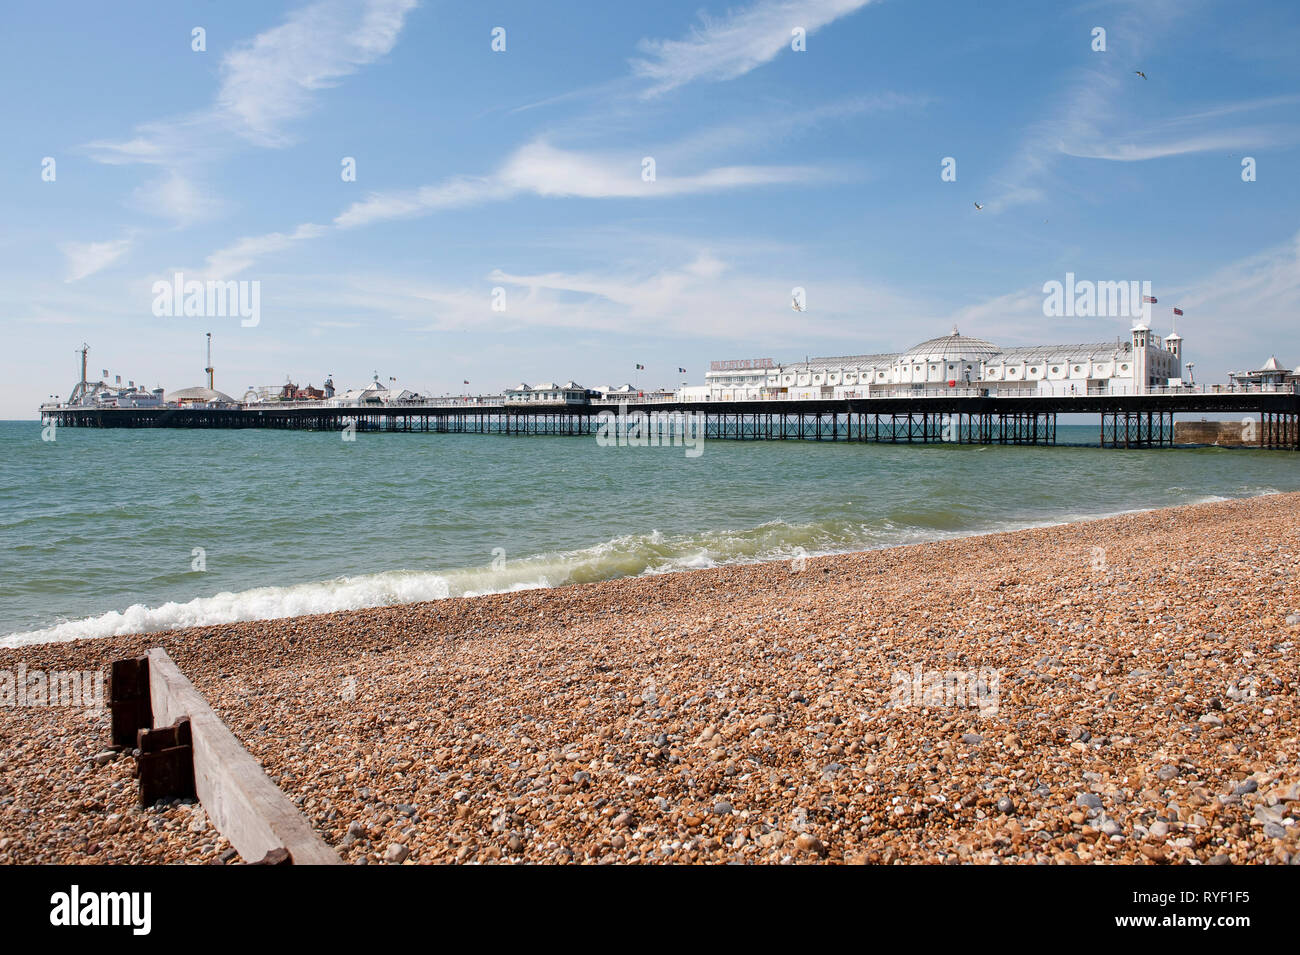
(240, 799)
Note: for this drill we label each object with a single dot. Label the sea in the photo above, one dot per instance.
(107, 532)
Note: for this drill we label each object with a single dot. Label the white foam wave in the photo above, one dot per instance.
(627, 556)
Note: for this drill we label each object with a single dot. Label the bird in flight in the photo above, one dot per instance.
(1140, 73)
(794, 304)
(978, 206)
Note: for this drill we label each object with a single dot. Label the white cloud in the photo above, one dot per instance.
(87, 258)
(1093, 128)
(176, 197)
(458, 191)
(1248, 138)
(266, 83)
(1241, 313)
(702, 293)
(269, 81)
(235, 258)
(728, 47)
(1104, 114)
(545, 170)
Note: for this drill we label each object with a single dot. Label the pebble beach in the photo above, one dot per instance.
(1127, 693)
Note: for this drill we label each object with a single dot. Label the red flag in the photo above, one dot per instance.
(1178, 311)
(1149, 299)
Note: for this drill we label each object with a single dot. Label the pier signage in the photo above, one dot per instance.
(743, 364)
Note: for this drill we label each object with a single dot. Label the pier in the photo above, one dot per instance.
(1125, 421)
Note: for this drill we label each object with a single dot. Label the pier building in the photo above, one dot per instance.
(958, 363)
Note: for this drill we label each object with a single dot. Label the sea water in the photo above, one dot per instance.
(120, 531)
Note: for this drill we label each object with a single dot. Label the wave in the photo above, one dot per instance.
(626, 556)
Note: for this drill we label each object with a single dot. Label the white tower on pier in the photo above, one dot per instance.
(1141, 341)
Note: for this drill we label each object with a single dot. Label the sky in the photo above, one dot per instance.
(618, 184)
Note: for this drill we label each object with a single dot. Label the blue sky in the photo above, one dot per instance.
(522, 170)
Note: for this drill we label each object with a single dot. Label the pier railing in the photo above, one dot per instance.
(471, 402)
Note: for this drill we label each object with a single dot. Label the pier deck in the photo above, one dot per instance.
(1125, 420)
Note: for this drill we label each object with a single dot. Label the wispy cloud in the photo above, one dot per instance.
(269, 81)
(1256, 294)
(1104, 113)
(1194, 132)
(686, 289)
(1255, 137)
(87, 258)
(266, 84)
(730, 46)
(544, 170)
(177, 197)
(239, 256)
(1089, 106)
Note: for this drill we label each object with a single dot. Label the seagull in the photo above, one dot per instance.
(978, 206)
(794, 304)
(1140, 73)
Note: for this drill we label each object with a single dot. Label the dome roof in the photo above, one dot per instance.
(199, 393)
(954, 347)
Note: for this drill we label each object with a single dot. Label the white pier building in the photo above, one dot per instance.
(940, 365)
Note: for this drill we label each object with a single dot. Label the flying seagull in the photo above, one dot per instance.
(978, 206)
(794, 304)
(1140, 73)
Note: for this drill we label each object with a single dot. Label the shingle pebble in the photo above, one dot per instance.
(614, 722)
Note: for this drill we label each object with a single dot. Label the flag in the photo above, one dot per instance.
(1149, 299)
(681, 370)
(1178, 311)
(640, 367)
(466, 381)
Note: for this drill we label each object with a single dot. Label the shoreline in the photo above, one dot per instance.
(1145, 710)
(39, 637)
